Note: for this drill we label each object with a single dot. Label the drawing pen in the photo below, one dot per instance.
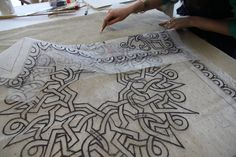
(103, 27)
(106, 23)
(86, 11)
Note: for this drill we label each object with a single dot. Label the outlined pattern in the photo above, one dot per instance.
(216, 79)
(147, 45)
(48, 121)
(119, 55)
(150, 101)
(123, 55)
(47, 118)
(161, 42)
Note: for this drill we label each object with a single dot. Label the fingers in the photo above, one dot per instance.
(114, 16)
(109, 20)
(103, 26)
(176, 23)
(168, 24)
(163, 23)
(171, 25)
(112, 21)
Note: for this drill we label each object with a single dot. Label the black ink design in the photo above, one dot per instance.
(29, 64)
(160, 42)
(52, 124)
(49, 121)
(216, 79)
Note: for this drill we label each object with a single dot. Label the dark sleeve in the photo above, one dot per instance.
(232, 22)
(165, 1)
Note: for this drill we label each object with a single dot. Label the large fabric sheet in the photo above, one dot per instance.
(135, 96)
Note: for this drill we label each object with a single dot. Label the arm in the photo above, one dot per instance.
(145, 5)
(218, 26)
(232, 27)
(119, 14)
(226, 26)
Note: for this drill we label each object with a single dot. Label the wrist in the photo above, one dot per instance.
(138, 6)
(193, 21)
(145, 3)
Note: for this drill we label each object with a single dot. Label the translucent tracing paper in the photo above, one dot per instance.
(119, 55)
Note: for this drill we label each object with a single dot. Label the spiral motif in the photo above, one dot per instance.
(44, 60)
(3, 81)
(30, 62)
(229, 91)
(34, 148)
(208, 74)
(170, 74)
(58, 47)
(43, 45)
(72, 51)
(218, 82)
(14, 126)
(24, 73)
(178, 122)
(169, 44)
(15, 82)
(176, 96)
(109, 59)
(164, 35)
(121, 59)
(157, 148)
(34, 51)
(15, 98)
(198, 65)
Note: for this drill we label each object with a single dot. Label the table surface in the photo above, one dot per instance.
(8, 24)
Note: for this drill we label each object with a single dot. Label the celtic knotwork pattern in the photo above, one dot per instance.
(160, 42)
(146, 47)
(216, 79)
(141, 122)
(48, 121)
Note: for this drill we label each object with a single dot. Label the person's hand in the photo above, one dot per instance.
(114, 16)
(177, 23)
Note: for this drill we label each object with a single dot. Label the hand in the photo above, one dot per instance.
(114, 16)
(177, 23)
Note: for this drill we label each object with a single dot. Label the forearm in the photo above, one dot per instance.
(139, 6)
(218, 26)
